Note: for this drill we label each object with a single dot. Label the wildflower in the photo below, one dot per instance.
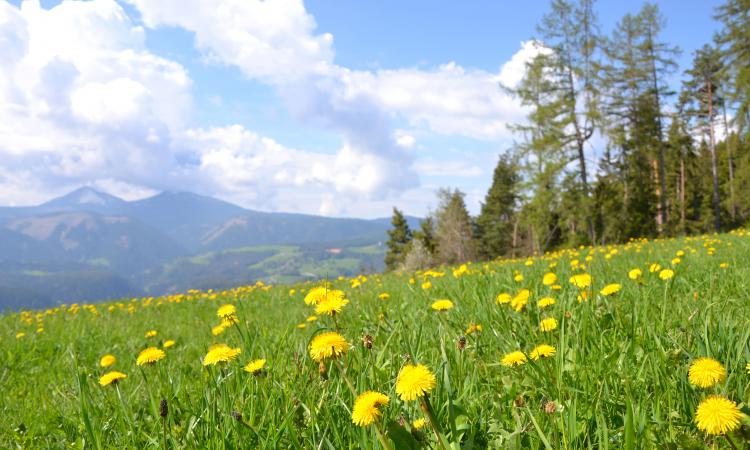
(611, 289)
(473, 328)
(418, 424)
(220, 353)
(150, 333)
(724, 265)
(328, 345)
(332, 304)
(311, 319)
(666, 274)
(676, 261)
(542, 351)
(717, 415)
(111, 378)
(367, 406)
(255, 367)
(549, 279)
(581, 281)
(653, 268)
(747, 368)
(635, 274)
(107, 360)
(150, 355)
(168, 343)
(706, 372)
(583, 296)
(442, 305)
(414, 381)
(384, 296)
(512, 359)
(315, 295)
(545, 302)
(548, 324)
(503, 298)
(426, 285)
(218, 329)
(226, 312)
(520, 300)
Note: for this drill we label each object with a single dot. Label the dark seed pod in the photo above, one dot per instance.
(461, 344)
(236, 415)
(520, 402)
(367, 341)
(550, 407)
(323, 371)
(163, 408)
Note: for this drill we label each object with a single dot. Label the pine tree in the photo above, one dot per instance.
(398, 239)
(454, 233)
(495, 221)
(734, 41)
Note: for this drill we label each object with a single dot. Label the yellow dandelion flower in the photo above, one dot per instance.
(311, 319)
(706, 372)
(520, 300)
(653, 268)
(548, 324)
(549, 279)
(583, 297)
(301, 325)
(747, 368)
(111, 378)
(426, 285)
(220, 353)
(332, 304)
(676, 261)
(384, 296)
(717, 415)
(226, 312)
(635, 274)
(442, 305)
(218, 329)
(542, 351)
(150, 355)
(503, 298)
(20, 334)
(545, 302)
(255, 367)
(328, 345)
(414, 381)
(518, 278)
(168, 343)
(581, 281)
(315, 295)
(666, 274)
(367, 406)
(724, 265)
(512, 359)
(473, 328)
(150, 333)
(418, 424)
(107, 360)
(611, 289)
(556, 287)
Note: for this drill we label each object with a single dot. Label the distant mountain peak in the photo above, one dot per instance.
(85, 196)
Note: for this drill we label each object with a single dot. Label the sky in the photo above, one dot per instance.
(322, 107)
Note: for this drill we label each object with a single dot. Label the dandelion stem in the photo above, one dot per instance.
(346, 378)
(424, 403)
(731, 443)
(381, 437)
(126, 413)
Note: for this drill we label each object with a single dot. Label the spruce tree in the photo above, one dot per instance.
(495, 221)
(398, 240)
(454, 233)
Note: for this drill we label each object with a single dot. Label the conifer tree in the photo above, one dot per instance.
(454, 232)
(495, 221)
(398, 239)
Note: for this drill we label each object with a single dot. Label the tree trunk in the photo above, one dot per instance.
(730, 163)
(660, 150)
(714, 164)
(682, 192)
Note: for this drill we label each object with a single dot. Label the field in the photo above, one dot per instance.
(615, 374)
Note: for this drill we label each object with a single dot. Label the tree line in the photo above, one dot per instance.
(610, 149)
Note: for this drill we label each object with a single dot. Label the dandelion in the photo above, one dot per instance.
(414, 381)
(384, 296)
(542, 351)
(549, 279)
(150, 333)
(520, 300)
(581, 281)
(168, 343)
(111, 378)
(724, 265)
(512, 359)
(548, 324)
(545, 302)
(220, 353)
(367, 406)
(328, 345)
(218, 329)
(706, 372)
(635, 274)
(442, 305)
(226, 312)
(107, 360)
(611, 289)
(473, 328)
(315, 295)
(666, 274)
(311, 319)
(717, 415)
(747, 368)
(150, 355)
(426, 285)
(418, 424)
(20, 334)
(332, 304)
(518, 278)
(255, 367)
(653, 268)
(503, 298)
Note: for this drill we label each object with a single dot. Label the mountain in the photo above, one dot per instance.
(89, 245)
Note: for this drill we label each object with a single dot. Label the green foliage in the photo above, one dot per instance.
(398, 239)
(495, 222)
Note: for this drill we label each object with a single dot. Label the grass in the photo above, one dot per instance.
(617, 380)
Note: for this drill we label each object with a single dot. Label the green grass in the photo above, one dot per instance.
(618, 379)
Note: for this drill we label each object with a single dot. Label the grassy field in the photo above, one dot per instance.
(618, 377)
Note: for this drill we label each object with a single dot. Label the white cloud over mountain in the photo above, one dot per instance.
(84, 101)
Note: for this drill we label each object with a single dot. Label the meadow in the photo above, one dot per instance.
(581, 348)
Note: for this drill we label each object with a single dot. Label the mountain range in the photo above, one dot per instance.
(90, 245)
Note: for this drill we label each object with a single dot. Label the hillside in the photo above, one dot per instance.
(170, 242)
(595, 347)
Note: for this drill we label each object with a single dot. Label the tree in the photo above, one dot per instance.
(734, 41)
(701, 89)
(495, 220)
(398, 239)
(454, 233)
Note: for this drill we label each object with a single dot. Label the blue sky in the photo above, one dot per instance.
(336, 108)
